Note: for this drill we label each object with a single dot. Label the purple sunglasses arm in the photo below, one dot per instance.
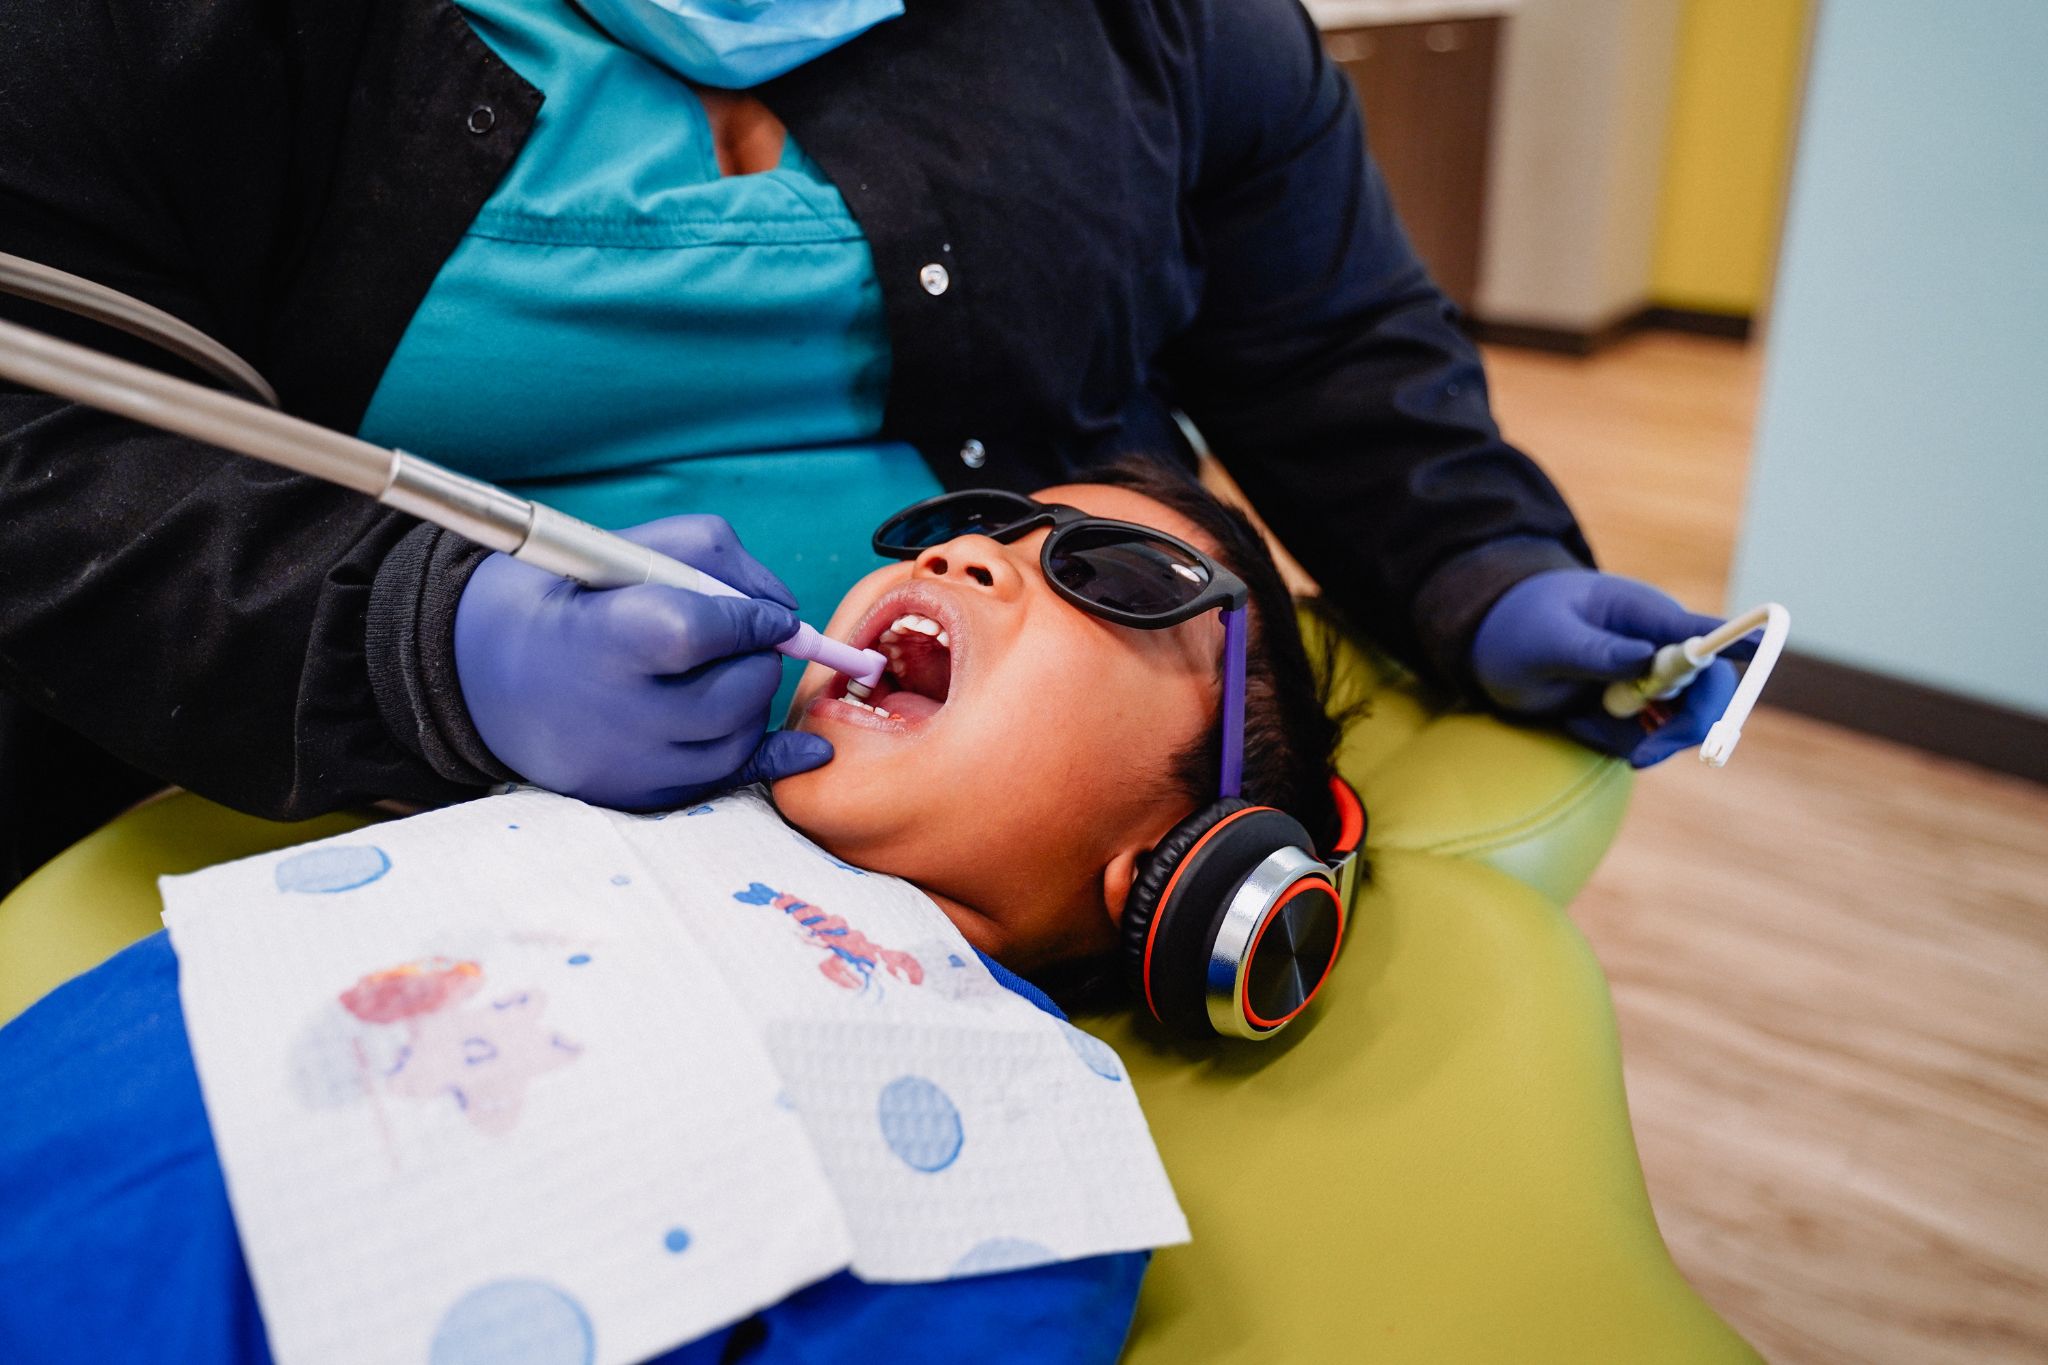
(1233, 701)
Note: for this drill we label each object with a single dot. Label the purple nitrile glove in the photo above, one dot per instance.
(632, 697)
(1554, 640)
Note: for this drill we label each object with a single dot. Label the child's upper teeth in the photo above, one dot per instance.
(920, 625)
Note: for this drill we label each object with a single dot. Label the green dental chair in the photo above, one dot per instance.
(1435, 1166)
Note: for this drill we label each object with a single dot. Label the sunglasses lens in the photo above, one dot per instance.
(1127, 572)
(935, 523)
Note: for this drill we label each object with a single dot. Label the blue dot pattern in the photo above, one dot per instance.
(676, 1240)
(1001, 1253)
(338, 867)
(1099, 1056)
(579, 959)
(514, 1322)
(621, 879)
(920, 1123)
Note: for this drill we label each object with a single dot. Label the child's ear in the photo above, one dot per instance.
(1120, 874)
(1118, 877)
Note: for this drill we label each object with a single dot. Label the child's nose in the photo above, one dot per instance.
(974, 561)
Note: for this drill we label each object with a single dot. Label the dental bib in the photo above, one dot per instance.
(524, 1066)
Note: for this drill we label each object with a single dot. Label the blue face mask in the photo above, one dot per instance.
(733, 44)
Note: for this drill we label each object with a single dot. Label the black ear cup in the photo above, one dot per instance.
(1142, 905)
(1180, 898)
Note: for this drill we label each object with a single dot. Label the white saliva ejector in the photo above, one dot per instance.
(1675, 666)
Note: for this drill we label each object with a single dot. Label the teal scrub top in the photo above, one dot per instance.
(626, 334)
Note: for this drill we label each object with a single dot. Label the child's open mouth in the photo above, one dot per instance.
(919, 676)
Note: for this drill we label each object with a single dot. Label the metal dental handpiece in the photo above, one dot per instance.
(482, 512)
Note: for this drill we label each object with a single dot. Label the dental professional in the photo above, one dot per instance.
(798, 262)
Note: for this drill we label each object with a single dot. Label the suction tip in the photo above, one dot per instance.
(1720, 744)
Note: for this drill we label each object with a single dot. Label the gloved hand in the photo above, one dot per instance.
(632, 697)
(1554, 641)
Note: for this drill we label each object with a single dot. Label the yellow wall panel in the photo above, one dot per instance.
(1734, 102)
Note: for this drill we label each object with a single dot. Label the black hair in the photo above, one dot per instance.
(1289, 735)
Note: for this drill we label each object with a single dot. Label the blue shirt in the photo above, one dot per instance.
(117, 1243)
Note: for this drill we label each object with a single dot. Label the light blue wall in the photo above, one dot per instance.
(1899, 501)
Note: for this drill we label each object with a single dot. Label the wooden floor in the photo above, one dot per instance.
(1830, 959)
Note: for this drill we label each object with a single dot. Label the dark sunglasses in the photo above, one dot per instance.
(1117, 570)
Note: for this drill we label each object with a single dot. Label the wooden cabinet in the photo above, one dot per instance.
(1427, 89)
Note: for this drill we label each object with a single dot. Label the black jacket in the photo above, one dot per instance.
(1138, 204)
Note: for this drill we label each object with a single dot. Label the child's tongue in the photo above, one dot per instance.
(910, 705)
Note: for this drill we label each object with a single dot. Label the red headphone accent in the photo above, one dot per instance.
(1350, 818)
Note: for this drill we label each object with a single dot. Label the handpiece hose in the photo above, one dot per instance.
(482, 512)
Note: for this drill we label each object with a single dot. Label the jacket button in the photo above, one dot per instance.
(974, 454)
(934, 279)
(482, 119)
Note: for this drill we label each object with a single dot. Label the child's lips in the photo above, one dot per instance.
(839, 711)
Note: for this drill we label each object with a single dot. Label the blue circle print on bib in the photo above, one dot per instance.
(514, 1322)
(336, 867)
(1099, 1056)
(998, 1254)
(920, 1123)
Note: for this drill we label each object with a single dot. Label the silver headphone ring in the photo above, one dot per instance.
(1230, 955)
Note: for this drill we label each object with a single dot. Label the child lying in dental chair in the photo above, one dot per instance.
(1049, 718)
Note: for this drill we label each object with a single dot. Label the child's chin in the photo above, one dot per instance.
(833, 808)
(807, 800)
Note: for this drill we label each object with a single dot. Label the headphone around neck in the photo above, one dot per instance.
(1234, 921)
